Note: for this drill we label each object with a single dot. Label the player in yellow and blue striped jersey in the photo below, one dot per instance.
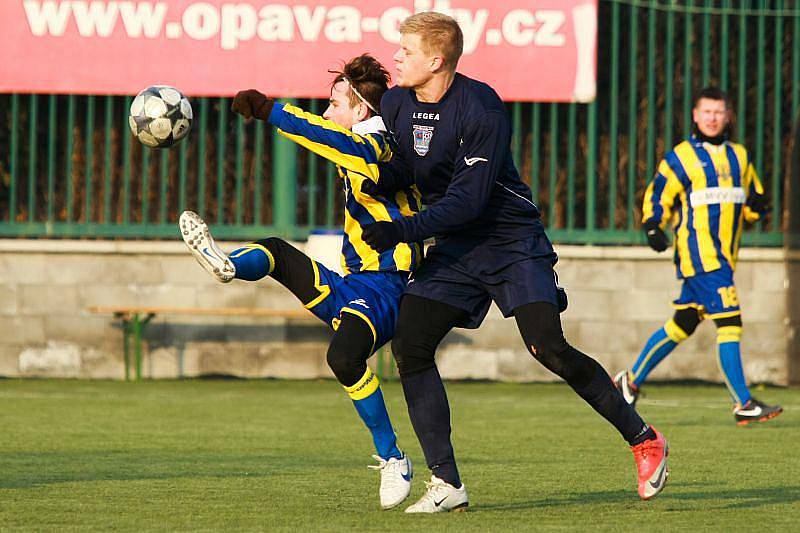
(362, 305)
(707, 187)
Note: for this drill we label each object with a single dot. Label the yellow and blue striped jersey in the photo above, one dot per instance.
(356, 155)
(702, 189)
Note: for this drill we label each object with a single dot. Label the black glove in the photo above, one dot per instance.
(251, 103)
(656, 237)
(758, 203)
(371, 188)
(381, 236)
(563, 301)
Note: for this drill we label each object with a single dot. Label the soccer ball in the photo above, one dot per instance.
(160, 116)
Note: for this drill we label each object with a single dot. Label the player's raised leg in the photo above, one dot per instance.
(197, 237)
(540, 326)
(350, 347)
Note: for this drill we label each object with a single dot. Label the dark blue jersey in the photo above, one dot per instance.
(458, 152)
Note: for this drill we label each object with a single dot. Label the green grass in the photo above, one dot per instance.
(274, 455)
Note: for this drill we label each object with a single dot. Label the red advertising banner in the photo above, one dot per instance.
(528, 51)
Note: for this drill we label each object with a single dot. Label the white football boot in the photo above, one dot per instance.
(625, 385)
(199, 240)
(396, 477)
(441, 497)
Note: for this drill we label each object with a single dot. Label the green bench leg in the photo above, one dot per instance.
(134, 325)
(126, 346)
(384, 364)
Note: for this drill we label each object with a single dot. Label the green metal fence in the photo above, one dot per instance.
(70, 168)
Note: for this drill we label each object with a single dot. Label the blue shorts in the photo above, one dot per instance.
(713, 294)
(511, 275)
(371, 296)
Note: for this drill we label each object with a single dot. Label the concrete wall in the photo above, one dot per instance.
(618, 296)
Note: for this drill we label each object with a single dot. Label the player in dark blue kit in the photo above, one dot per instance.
(454, 135)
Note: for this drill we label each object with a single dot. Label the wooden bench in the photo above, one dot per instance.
(134, 319)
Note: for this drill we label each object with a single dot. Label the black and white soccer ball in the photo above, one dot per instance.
(160, 116)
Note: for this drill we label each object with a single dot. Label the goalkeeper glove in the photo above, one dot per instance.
(381, 236)
(656, 237)
(252, 104)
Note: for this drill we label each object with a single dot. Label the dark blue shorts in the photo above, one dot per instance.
(372, 296)
(713, 294)
(510, 274)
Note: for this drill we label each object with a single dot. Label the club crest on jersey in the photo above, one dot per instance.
(422, 139)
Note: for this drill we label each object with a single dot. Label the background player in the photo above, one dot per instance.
(361, 306)
(453, 136)
(710, 185)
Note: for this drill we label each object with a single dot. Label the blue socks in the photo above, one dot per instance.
(368, 401)
(730, 362)
(252, 262)
(660, 344)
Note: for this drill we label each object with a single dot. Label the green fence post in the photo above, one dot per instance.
(572, 110)
(330, 172)
(51, 158)
(108, 160)
(632, 115)
(258, 178)
(591, 166)
(669, 74)
(554, 164)
(613, 117)
(126, 345)
(33, 121)
(88, 200)
(724, 42)
(125, 139)
(240, 140)
(651, 93)
(777, 143)
(202, 131)
(313, 166)
(536, 150)
(284, 182)
(12, 192)
(68, 154)
(222, 121)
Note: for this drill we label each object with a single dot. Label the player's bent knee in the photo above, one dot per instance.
(347, 369)
(735, 321)
(273, 244)
(412, 355)
(687, 320)
(349, 350)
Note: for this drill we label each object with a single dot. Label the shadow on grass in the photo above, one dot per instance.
(38, 469)
(721, 498)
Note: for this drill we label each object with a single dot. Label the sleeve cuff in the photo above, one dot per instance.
(277, 114)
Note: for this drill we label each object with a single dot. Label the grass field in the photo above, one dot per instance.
(274, 455)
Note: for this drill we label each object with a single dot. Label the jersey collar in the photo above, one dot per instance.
(371, 125)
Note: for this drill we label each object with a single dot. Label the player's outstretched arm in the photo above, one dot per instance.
(360, 153)
(479, 162)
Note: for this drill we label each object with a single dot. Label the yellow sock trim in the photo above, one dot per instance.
(653, 350)
(365, 386)
(674, 331)
(247, 248)
(729, 334)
